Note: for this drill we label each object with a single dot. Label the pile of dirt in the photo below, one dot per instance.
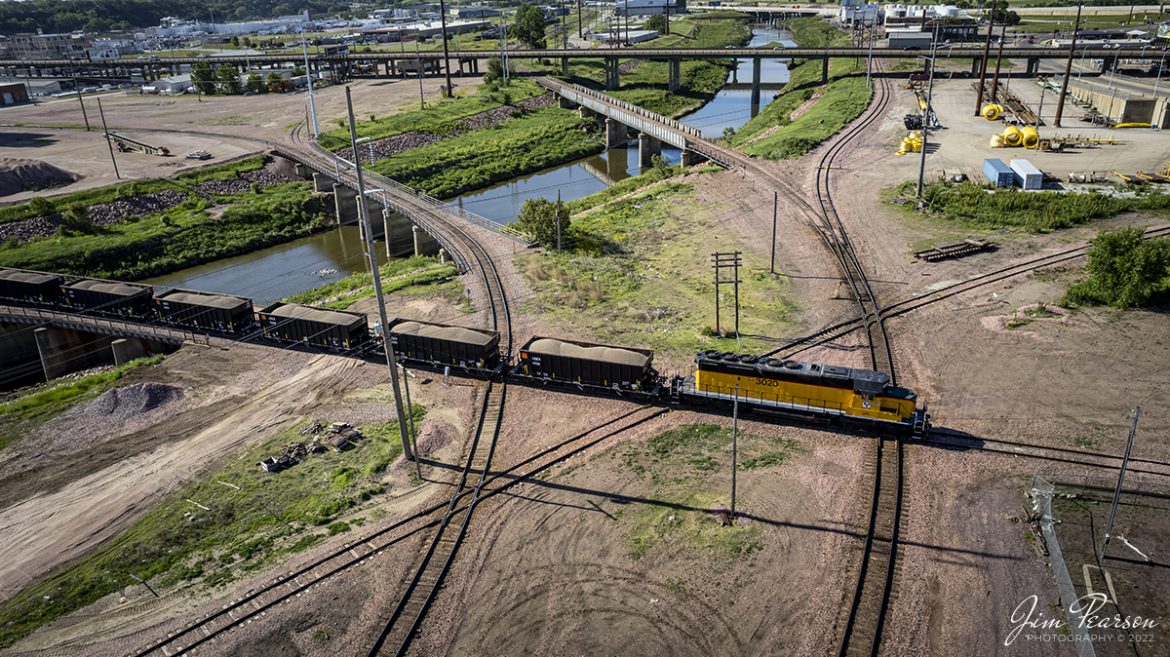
(434, 436)
(19, 175)
(122, 404)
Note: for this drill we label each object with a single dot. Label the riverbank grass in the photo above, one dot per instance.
(396, 276)
(636, 271)
(806, 112)
(233, 529)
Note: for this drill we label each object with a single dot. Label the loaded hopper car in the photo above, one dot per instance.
(336, 329)
(585, 364)
(212, 312)
(108, 297)
(441, 345)
(30, 286)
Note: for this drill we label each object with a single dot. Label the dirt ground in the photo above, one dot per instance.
(53, 132)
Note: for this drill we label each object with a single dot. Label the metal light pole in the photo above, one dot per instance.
(309, 79)
(109, 142)
(775, 208)
(1067, 71)
(926, 119)
(983, 64)
(869, 59)
(1137, 413)
(448, 90)
(364, 217)
(734, 448)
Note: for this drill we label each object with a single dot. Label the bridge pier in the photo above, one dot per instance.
(565, 66)
(690, 158)
(975, 61)
(825, 70)
(64, 350)
(612, 75)
(424, 243)
(1033, 66)
(127, 349)
(675, 75)
(18, 357)
(648, 147)
(735, 71)
(565, 103)
(344, 204)
(616, 133)
(756, 62)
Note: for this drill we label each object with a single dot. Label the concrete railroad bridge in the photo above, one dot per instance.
(406, 64)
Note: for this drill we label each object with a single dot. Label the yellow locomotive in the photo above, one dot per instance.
(855, 396)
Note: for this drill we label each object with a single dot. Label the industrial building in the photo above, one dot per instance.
(47, 46)
(648, 7)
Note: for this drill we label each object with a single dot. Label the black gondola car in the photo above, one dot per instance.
(30, 286)
(108, 297)
(212, 312)
(587, 364)
(440, 344)
(290, 322)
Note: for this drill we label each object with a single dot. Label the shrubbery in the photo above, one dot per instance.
(1124, 271)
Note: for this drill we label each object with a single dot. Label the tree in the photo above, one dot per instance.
(1124, 271)
(203, 78)
(530, 26)
(539, 218)
(657, 22)
(495, 71)
(255, 84)
(298, 71)
(229, 79)
(235, 41)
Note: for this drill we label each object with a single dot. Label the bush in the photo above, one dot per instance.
(539, 218)
(1124, 271)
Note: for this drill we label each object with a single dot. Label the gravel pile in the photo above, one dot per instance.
(123, 404)
(19, 175)
(626, 67)
(399, 143)
(123, 210)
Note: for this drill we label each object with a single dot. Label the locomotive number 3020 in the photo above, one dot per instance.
(773, 383)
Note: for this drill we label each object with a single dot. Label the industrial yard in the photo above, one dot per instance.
(597, 356)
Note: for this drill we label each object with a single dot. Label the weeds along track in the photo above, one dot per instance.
(254, 605)
(898, 308)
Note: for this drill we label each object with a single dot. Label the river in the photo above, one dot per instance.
(269, 274)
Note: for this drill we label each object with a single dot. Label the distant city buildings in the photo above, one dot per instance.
(47, 46)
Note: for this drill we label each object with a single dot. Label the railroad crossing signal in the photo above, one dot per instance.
(722, 262)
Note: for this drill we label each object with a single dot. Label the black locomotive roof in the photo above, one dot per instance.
(863, 381)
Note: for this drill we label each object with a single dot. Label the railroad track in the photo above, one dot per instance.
(840, 329)
(257, 603)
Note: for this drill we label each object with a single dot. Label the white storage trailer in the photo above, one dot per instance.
(1027, 175)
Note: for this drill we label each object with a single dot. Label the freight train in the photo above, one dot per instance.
(849, 397)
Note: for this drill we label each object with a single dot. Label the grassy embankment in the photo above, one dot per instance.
(423, 271)
(248, 524)
(970, 205)
(22, 414)
(774, 133)
(646, 85)
(635, 272)
(196, 231)
(524, 144)
(688, 466)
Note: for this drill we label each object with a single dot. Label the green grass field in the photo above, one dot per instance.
(521, 145)
(257, 519)
(194, 232)
(23, 413)
(774, 133)
(397, 275)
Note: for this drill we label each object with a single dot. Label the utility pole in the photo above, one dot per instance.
(109, 142)
(1072, 47)
(734, 447)
(309, 81)
(998, 61)
(580, 29)
(983, 64)
(1137, 413)
(869, 58)
(557, 218)
(720, 262)
(422, 103)
(77, 87)
(926, 117)
(410, 408)
(364, 217)
(775, 208)
(448, 90)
